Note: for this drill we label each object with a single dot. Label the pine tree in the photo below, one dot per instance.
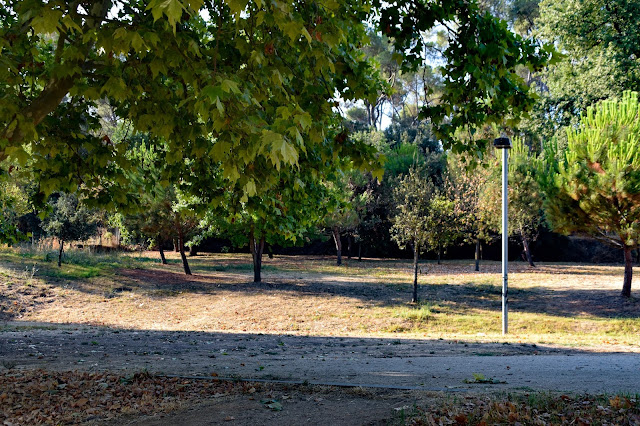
(593, 186)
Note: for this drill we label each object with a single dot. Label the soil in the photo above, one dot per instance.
(307, 332)
(300, 406)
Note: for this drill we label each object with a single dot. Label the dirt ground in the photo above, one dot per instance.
(300, 406)
(314, 326)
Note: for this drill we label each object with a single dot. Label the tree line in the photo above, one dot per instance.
(267, 121)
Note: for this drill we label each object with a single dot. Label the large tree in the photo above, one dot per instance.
(259, 77)
(593, 186)
(480, 57)
(59, 58)
(600, 44)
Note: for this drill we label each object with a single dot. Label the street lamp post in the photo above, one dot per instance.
(505, 144)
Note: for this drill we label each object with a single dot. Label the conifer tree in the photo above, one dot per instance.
(593, 186)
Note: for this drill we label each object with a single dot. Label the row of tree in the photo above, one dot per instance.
(219, 117)
(426, 200)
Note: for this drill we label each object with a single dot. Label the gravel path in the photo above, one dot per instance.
(401, 363)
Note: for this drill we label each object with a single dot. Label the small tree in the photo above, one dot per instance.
(525, 196)
(342, 215)
(465, 187)
(14, 205)
(442, 223)
(593, 186)
(412, 197)
(69, 221)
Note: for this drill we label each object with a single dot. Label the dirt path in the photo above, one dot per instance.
(402, 363)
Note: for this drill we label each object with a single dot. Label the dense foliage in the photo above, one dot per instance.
(593, 186)
(270, 123)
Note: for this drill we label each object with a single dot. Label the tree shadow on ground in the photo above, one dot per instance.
(233, 274)
(543, 300)
(78, 341)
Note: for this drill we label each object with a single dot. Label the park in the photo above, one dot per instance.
(287, 212)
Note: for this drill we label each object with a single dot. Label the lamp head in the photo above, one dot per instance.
(502, 143)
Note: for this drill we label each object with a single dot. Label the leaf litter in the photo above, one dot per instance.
(70, 397)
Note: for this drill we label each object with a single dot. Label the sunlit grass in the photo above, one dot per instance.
(311, 295)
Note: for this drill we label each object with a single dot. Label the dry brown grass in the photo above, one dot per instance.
(564, 304)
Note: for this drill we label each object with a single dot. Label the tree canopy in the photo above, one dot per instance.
(259, 77)
(252, 83)
(593, 187)
(480, 57)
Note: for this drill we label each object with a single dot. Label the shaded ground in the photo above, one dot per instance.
(421, 364)
(308, 295)
(300, 405)
(313, 322)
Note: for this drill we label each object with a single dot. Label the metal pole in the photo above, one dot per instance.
(505, 241)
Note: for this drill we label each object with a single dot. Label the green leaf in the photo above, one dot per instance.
(195, 4)
(220, 150)
(48, 22)
(157, 66)
(289, 153)
(304, 120)
(137, 42)
(171, 8)
(237, 6)
(229, 85)
(18, 153)
(250, 188)
(231, 173)
(293, 30)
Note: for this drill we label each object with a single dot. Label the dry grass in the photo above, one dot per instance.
(558, 304)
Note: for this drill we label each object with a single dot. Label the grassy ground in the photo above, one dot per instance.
(557, 304)
(568, 305)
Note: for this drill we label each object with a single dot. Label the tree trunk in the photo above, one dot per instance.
(163, 259)
(527, 251)
(414, 298)
(185, 263)
(360, 251)
(628, 272)
(176, 245)
(193, 250)
(439, 255)
(477, 254)
(349, 239)
(336, 239)
(256, 253)
(60, 253)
